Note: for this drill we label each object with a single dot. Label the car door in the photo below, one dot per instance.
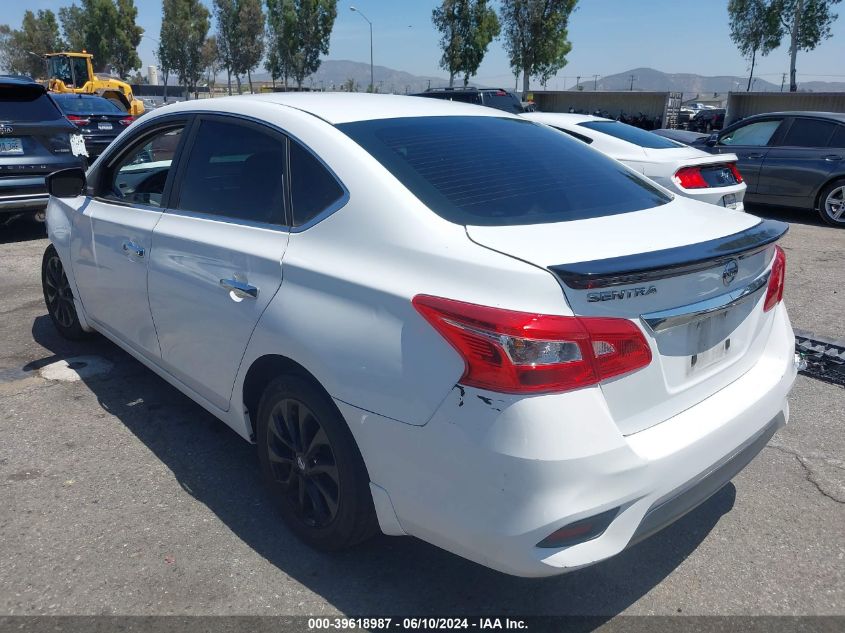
(750, 142)
(799, 163)
(217, 251)
(112, 242)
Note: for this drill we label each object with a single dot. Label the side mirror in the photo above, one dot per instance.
(66, 183)
(712, 140)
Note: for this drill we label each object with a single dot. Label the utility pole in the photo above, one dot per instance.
(577, 81)
(782, 81)
(631, 89)
(372, 82)
(595, 83)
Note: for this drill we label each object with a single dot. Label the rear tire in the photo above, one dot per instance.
(312, 465)
(832, 204)
(58, 297)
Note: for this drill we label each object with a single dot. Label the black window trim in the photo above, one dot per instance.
(792, 120)
(115, 154)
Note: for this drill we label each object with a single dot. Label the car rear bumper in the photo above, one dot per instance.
(489, 477)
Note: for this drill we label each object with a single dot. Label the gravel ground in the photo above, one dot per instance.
(121, 496)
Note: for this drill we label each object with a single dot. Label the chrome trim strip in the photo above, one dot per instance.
(671, 262)
(666, 319)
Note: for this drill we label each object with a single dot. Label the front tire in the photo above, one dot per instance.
(832, 204)
(58, 296)
(312, 465)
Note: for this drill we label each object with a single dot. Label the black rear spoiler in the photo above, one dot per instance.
(671, 262)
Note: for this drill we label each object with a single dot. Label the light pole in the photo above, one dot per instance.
(358, 11)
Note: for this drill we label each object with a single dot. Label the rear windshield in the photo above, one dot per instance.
(502, 101)
(26, 105)
(631, 134)
(79, 104)
(494, 171)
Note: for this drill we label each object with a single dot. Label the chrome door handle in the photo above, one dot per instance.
(754, 156)
(133, 248)
(239, 288)
(832, 157)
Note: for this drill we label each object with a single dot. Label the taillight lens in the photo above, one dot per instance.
(735, 172)
(690, 178)
(127, 120)
(81, 121)
(774, 293)
(521, 352)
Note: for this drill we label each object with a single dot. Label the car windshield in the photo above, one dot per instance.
(26, 104)
(631, 134)
(495, 171)
(81, 104)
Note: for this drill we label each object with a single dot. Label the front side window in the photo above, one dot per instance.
(495, 171)
(237, 171)
(631, 134)
(313, 189)
(809, 133)
(757, 134)
(140, 175)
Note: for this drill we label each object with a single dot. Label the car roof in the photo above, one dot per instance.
(837, 116)
(7, 80)
(342, 107)
(562, 117)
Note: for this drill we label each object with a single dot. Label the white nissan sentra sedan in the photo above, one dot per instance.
(680, 168)
(433, 319)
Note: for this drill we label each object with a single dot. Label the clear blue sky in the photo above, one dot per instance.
(608, 36)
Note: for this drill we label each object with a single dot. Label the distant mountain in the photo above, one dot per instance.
(649, 79)
(335, 72)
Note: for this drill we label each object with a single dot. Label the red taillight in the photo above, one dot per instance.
(774, 293)
(127, 120)
(690, 178)
(735, 172)
(81, 121)
(520, 352)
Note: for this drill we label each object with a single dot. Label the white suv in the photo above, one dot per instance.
(433, 318)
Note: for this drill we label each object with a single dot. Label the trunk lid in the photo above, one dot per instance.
(691, 275)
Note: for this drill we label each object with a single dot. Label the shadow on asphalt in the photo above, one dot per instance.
(385, 576)
(22, 230)
(784, 214)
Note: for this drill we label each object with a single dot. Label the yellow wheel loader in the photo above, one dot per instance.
(74, 72)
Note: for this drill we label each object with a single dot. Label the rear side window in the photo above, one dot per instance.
(631, 134)
(501, 100)
(237, 171)
(838, 138)
(26, 105)
(809, 133)
(494, 171)
(313, 189)
(757, 134)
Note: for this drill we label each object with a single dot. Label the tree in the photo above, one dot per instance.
(281, 25)
(314, 20)
(22, 49)
(226, 14)
(73, 27)
(755, 29)
(211, 61)
(250, 38)
(808, 22)
(108, 30)
(184, 26)
(126, 39)
(467, 28)
(536, 36)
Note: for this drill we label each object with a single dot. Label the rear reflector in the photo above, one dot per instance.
(521, 352)
(580, 531)
(127, 120)
(774, 293)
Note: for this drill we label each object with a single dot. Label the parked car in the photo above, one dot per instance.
(791, 159)
(707, 120)
(693, 139)
(491, 97)
(683, 170)
(99, 119)
(35, 139)
(433, 319)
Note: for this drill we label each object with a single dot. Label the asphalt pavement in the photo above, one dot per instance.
(118, 495)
